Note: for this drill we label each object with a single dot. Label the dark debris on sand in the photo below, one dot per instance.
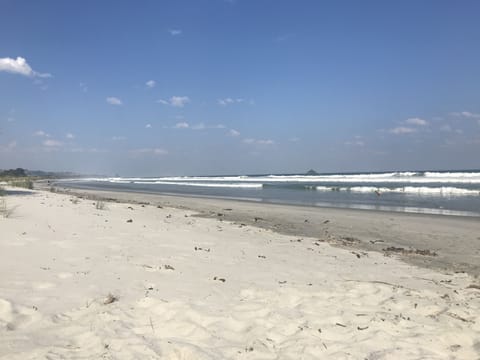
(403, 251)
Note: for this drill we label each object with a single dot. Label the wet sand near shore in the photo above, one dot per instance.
(445, 243)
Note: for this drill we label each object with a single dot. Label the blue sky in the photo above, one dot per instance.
(240, 86)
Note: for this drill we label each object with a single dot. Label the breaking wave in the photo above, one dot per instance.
(442, 191)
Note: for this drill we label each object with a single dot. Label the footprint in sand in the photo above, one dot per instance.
(13, 317)
(65, 275)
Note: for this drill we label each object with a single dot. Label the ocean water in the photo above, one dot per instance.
(431, 192)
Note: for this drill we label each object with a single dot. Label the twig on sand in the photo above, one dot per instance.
(151, 325)
(380, 282)
(458, 317)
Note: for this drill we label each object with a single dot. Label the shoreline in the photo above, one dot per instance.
(442, 242)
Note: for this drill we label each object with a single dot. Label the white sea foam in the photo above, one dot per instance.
(369, 189)
(390, 177)
(217, 185)
(462, 178)
(442, 191)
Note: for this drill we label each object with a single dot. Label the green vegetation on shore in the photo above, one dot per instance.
(17, 178)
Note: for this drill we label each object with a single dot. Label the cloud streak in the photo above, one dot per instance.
(355, 143)
(258, 141)
(234, 133)
(229, 101)
(182, 125)
(114, 101)
(466, 114)
(52, 143)
(149, 151)
(175, 101)
(416, 122)
(41, 133)
(402, 130)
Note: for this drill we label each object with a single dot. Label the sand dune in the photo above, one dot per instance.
(185, 287)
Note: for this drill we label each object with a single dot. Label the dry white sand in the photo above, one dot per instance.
(185, 287)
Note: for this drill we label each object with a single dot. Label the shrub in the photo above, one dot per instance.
(22, 183)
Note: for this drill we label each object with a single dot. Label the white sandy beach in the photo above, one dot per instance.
(186, 287)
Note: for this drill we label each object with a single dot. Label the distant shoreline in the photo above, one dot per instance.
(428, 193)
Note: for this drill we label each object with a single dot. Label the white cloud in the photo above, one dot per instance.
(70, 136)
(466, 114)
(21, 67)
(400, 130)
(175, 32)
(234, 132)
(258, 142)
(118, 138)
(229, 101)
(83, 87)
(355, 143)
(294, 139)
(446, 128)
(151, 83)
(152, 151)
(52, 143)
(87, 150)
(114, 101)
(41, 133)
(175, 101)
(179, 101)
(148, 126)
(203, 126)
(182, 125)
(416, 121)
